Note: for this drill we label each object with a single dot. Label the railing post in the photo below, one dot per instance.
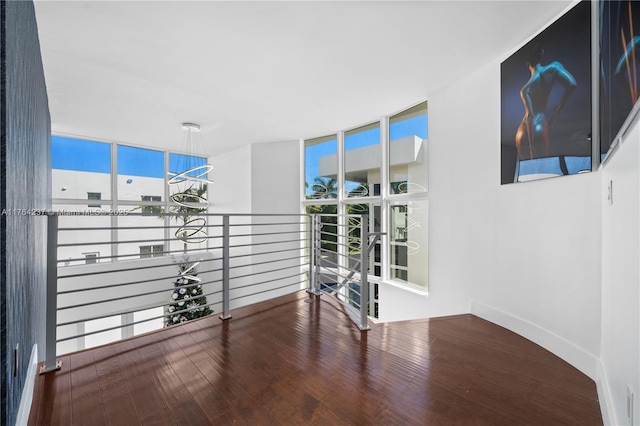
(51, 308)
(364, 269)
(317, 258)
(225, 268)
(313, 251)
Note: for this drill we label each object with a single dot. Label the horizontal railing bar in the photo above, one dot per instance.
(104, 287)
(271, 289)
(338, 295)
(154, 240)
(108, 243)
(325, 260)
(268, 261)
(169, 241)
(325, 233)
(338, 274)
(162, 290)
(263, 234)
(263, 244)
(137, 255)
(128, 228)
(336, 243)
(114, 299)
(337, 255)
(136, 282)
(64, 324)
(169, 277)
(163, 214)
(348, 215)
(237, 256)
(348, 301)
(137, 268)
(174, 313)
(267, 281)
(353, 290)
(126, 325)
(322, 274)
(265, 272)
(266, 224)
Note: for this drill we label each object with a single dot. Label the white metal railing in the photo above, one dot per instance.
(231, 260)
(341, 260)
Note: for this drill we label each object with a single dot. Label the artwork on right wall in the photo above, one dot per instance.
(546, 101)
(619, 22)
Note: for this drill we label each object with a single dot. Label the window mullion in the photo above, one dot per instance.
(384, 194)
(342, 241)
(167, 204)
(114, 200)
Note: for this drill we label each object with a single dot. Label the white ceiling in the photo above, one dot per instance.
(133, 71)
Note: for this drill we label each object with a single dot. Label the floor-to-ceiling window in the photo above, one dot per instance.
(406, 202)
(379, 169)
(107, 182)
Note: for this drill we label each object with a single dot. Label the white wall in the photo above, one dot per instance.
(537, 255)
(276, 177)
(526, 256)
(231, 189)
(261, 178)
(258, 178)
(620, 353)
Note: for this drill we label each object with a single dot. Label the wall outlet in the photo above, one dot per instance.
(610, 192)
(630, 407)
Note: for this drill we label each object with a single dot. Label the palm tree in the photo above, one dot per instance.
(324, 187)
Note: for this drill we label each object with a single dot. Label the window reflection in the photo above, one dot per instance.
(408, 151)
(362, 161)
(321, 168)
(408, 242)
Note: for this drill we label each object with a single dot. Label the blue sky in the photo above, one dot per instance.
(89, 156)
(413, 126)
(80, 155)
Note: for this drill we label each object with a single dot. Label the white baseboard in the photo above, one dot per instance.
(27, 392)
(574, 355)
(568, 351)
(604, 396)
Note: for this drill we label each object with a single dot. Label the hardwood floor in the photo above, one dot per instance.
(299, 360)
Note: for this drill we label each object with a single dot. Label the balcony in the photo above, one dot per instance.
(289, 347)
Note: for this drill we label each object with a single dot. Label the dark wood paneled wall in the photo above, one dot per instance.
(25, 183)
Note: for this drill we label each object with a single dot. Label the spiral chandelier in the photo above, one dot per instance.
(188, 193)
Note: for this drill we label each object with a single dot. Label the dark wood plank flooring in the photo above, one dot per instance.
(299, 360)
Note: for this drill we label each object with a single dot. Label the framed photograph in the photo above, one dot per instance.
(619, 23)
(546, 102)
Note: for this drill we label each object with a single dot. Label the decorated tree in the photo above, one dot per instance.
(187, 299)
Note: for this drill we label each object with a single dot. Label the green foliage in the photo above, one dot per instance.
(322, 188)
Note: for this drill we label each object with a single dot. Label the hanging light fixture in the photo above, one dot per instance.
(189, 185)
